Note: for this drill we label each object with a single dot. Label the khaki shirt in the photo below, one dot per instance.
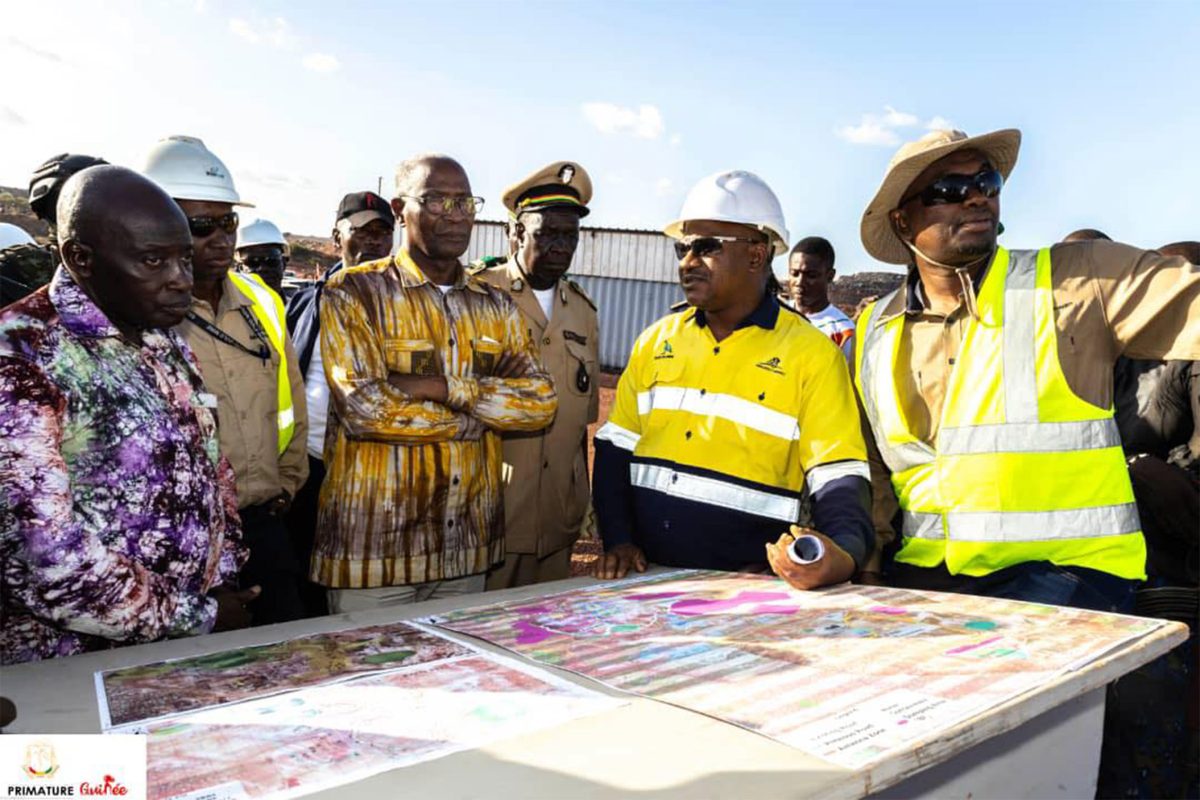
(546, 489)
(247, 401)
(1109, 300)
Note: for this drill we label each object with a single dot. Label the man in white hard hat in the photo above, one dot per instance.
(261, 250)
(546, 491)
(237, 329)
(729, 411)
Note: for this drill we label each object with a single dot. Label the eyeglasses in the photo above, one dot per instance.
(701, 246)
(953, 189)
(205, 226)
(438, 204)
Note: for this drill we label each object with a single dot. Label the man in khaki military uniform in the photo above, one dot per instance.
(546, 491)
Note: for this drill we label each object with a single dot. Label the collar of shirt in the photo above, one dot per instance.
(764, 316)
(231, 298)
(411, 275)
(78, 313)
(913, 302)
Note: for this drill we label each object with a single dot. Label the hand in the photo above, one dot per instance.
(836, 566)
(512, 365)
(280, 505)
(618, 561)
(870, 578)
(232, 613)
(420, 387)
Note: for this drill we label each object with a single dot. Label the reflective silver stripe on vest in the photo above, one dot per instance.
(897, 457)
(1044, 526)
(1029, 437)
(714, 492)
(922, 525)
(1019, 335)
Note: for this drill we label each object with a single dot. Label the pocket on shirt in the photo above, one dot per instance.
(410, 356)
(485, 355)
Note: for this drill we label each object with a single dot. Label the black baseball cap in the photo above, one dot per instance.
(363, 207)
(49, 178)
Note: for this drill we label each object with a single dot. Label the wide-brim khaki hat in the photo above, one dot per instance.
(1000, 147)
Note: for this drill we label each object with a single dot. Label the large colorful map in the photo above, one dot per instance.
(136, 694)
(291, 718)
(847, 674)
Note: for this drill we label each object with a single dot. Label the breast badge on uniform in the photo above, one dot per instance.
(583, 381)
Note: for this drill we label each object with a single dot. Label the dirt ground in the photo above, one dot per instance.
(587, 549)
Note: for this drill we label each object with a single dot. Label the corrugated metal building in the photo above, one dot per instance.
(631, 275)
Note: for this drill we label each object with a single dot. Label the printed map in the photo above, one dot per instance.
(847, 674)
(136, 694)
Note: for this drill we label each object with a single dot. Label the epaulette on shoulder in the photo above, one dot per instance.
(487, 262)
(579, 291)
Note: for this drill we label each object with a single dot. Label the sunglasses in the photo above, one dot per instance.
(953, 189)
(256, 262)
(701, 246)
(203, 227)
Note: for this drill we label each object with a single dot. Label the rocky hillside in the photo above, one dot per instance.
(848, 291)
(14, 208)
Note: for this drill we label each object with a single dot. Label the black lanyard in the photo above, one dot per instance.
(255, 327)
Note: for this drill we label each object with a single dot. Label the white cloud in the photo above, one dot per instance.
(676, 139)
(882, 129)
(869, 131)
(10, 117)
(321, 62)
(663, 186)
(645, 122)
(898, 119)
(275, 180)
(274, 31)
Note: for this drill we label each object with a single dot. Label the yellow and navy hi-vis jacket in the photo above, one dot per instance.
(710, 445)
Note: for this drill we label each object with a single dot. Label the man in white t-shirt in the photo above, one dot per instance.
(810, 267)
(363, 231)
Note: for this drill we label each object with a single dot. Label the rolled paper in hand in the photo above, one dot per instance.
(806, 549)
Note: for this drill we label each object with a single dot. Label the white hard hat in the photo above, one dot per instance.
(187, 170)
(734, 196)
(12, 236)
(259, 231)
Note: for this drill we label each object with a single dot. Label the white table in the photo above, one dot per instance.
(1043, 744)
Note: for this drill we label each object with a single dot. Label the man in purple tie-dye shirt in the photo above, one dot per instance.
(118, 516)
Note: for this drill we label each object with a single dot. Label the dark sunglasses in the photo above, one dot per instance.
(702, 246)
(276, 260)
(203, 227)
(952, 189)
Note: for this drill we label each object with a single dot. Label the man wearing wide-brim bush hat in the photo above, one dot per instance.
(987, 381)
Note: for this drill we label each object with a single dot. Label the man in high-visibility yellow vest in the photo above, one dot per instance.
(238, 331)
(987, 382)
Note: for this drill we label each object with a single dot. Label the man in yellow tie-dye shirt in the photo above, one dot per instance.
(426, 365)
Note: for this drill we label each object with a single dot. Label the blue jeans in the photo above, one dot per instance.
(1034, 581)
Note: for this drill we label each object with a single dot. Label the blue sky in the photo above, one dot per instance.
(305, 101)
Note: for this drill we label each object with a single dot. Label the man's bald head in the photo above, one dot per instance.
(127, 244)
(1188, 250)
(412, 172)
(1087, 235)
(97, 200)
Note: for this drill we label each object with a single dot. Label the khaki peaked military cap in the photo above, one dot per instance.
(563, 184)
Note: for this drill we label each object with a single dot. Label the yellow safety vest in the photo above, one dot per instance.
(268, 309)
(1022, 469)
